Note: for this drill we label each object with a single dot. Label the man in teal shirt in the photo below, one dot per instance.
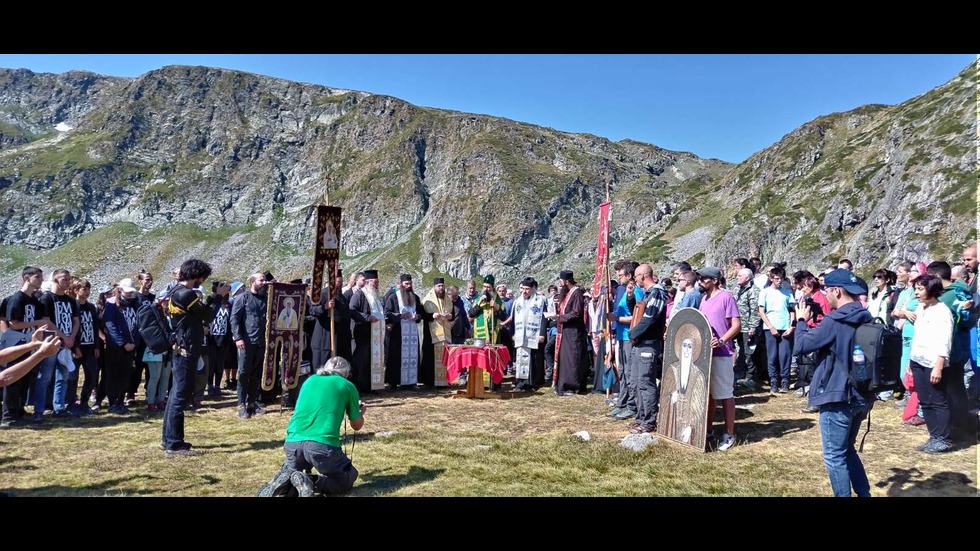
(313, 434)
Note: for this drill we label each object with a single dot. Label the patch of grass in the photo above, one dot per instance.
(956, 150)
(325, 100)
(446, 447)
(807, 244)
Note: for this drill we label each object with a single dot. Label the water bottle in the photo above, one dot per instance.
(859, 365)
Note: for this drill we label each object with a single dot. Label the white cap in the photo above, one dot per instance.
(127, 285)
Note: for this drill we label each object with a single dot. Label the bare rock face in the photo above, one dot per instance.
(231, 165)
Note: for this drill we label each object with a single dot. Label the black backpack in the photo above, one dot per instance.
(882, 347)
(154, 328)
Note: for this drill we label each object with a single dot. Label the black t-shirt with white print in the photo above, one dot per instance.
(25, 308)
(61, 310)
(89, 316)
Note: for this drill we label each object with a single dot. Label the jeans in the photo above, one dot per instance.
(45, 371)
(159, 382)
(840, 423)
(549, 359)
(780, 352)
(627, 390)
(337, 474)
(184, 368)
(645, 360)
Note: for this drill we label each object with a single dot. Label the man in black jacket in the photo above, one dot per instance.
(248, 326)
(188, 316)
(647, 337)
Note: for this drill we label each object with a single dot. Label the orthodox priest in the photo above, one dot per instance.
(320, 341)
(408, 335)
(487, 312)
(530, 334)
(571, 349)
(439, 305)
(367, 313)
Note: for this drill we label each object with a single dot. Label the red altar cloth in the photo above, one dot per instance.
(493, 358)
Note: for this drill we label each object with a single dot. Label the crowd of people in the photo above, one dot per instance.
(799, 326)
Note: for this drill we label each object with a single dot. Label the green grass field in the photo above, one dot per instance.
(458, 447)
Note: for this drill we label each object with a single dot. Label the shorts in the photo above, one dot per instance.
(722, 377)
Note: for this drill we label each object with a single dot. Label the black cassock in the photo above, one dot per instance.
(573, 362)
(320, 342)
(359, 311)
(393, 343)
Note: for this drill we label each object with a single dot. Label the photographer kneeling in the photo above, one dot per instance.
(313, 435)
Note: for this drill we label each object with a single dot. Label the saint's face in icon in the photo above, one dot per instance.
(288, 319)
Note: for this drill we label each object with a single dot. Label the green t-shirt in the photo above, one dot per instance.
(320, 409)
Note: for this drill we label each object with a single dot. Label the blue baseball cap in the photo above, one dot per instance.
(846, 280)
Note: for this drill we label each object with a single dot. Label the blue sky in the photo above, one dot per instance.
(721, 106)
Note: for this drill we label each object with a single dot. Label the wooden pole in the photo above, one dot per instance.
(333, 332)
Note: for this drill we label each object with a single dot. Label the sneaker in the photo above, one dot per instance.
(152, 408)
(774, 391)
(183, 452)
(938, 446)
(915, 421)
(784, 389)
(279, 485)
(130, 400)
(38, 418)
(614, 412)
(259, 410)
(122, 410)
(626, 415)
(727, 441)
(95, 409)
(302, 484)
(750, 384)
(900, 404)
(810, 409)
(800, 392)
(640, 429)
(924, 445)
(243, 413)
(11, 423)
(162, 405)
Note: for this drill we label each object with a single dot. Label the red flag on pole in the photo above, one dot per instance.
(602, 259)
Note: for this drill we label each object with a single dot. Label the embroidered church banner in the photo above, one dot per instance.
(327, 250)
(284, 334)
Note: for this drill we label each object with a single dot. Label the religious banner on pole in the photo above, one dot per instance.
(327, 250)
(284, 334)
(602, 259)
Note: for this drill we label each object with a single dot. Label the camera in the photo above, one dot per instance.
(488, 294)
(215, 285)
(47, 334)
(814, 307)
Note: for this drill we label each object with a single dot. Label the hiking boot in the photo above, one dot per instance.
(278, 486)
(640, 429)
(302, 484)
(924, 445)
(614, 412)
(626, 415)
(937, 446)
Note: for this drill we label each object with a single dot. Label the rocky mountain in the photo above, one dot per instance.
(107, 175)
